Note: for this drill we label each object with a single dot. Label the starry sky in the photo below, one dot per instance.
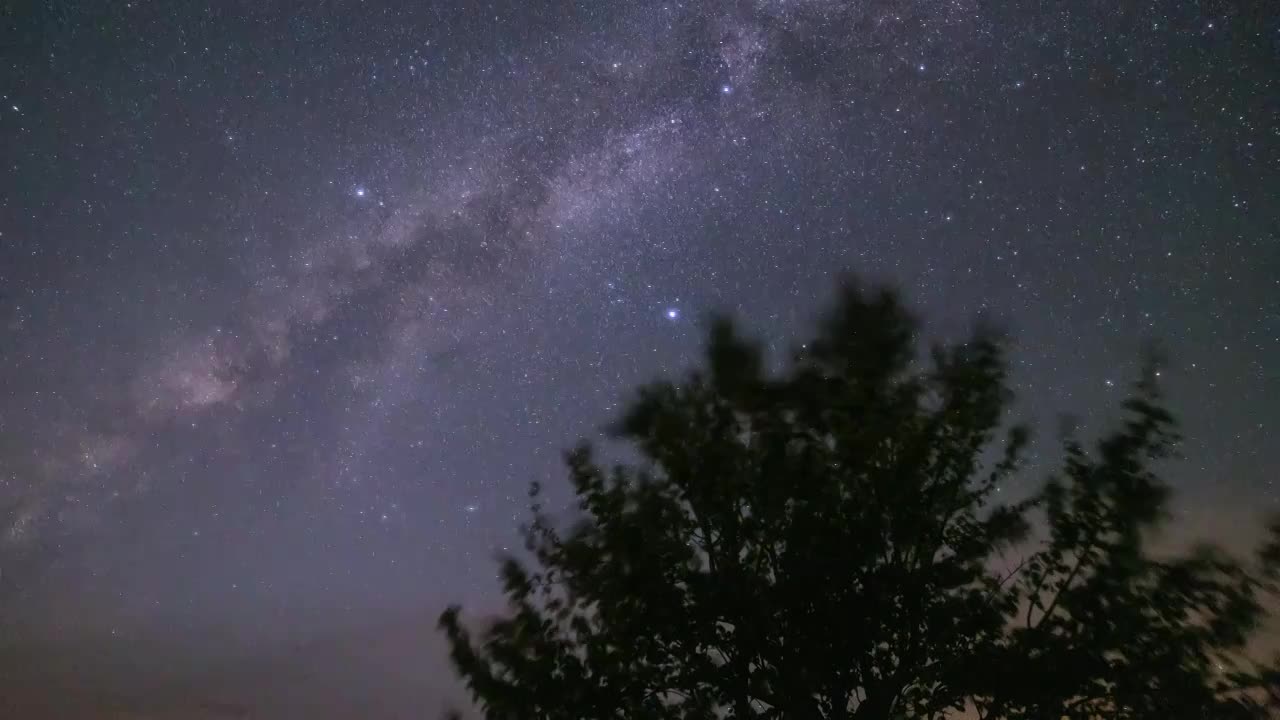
(296, 299)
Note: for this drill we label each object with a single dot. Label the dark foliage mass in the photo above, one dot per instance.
(830, 542)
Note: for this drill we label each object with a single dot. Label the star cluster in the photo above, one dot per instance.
(296, 303)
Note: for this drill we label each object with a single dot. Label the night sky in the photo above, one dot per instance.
(297, 298)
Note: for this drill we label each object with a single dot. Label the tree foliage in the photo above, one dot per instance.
(824, 543)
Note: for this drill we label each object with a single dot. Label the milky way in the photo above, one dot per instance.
(297, 303)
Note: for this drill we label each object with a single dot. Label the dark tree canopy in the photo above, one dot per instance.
(827, 543)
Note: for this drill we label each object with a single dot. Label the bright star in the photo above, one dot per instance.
(726, 89)
(672, 313)
(360, 192)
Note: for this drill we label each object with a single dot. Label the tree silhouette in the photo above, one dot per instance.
(821, 544)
